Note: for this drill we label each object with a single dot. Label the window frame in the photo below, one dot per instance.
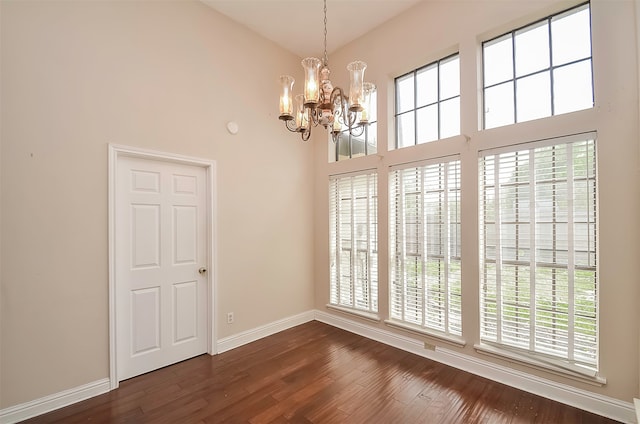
(551, 67)
(367, 130)
(493, 343)
(336, 247)
(438, 102)
(398, 251)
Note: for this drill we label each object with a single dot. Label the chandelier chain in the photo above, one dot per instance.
(326, 59)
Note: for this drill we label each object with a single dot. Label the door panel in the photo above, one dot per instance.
(185, 311)
(145, 236)
(185, 232)
(161, 298)
(145, 320)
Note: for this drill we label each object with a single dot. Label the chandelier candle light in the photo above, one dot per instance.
(323, 104)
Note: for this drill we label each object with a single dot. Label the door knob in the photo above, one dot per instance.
(202, 270)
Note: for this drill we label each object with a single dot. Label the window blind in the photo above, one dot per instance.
(353, 247)
(538, 233)
(424, 244)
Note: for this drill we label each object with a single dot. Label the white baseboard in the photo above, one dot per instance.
(588, 401)
(237, 340)
(59, 400)
(52, 402)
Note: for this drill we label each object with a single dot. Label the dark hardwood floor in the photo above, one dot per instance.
(315, 373)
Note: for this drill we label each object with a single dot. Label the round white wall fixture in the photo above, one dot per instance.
(232, 127)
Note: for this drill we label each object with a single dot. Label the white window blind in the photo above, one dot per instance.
(424, 244)
(538, 249)
(353, 247)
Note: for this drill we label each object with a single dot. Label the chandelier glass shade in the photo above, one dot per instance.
(323, 104)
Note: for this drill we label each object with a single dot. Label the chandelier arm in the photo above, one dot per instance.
(348, 117)
(306, 134)
(289, 127)
(337, 93)
(314, 117)
(357, 131)
(353, 116)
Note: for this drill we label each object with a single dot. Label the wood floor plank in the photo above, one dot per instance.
(315, 373)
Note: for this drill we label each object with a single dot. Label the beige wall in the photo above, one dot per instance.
(431, 30)
(167, 76)
(76, 76)
(637, 4)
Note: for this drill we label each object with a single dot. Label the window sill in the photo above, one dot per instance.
(360, 314)
(555, 367)
(456, 341)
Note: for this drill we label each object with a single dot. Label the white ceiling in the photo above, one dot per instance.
(298, 25)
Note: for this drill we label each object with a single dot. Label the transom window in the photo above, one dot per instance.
(428, 103)
(349, 146)
(425, 246)
(538, 234)
(353, 245)
(540, 70)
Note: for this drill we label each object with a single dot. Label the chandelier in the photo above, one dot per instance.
(323, 104)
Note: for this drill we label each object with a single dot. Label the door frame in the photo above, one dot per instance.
(115, 153)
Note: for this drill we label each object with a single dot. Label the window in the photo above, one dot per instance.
(425, 246)
(540, 70)
(353, 247)
(428, 103)
(538, 249)
(349, 146)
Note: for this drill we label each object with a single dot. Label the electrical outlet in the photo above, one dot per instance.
(229, 317)
(429, 346)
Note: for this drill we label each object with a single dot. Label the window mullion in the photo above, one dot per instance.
(401, 227)
(570, 256)
(483, 245)
(353, 252)
(445, 203)
(515, 81)
(438, 95)
(368, 256)
(366, 139)
(422, 217)
(496, 200)
(532, 251)
(350, 146)
(551, 68)
(338, 241)
(415, 108)
(590, 174)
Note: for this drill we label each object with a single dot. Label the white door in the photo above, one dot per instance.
(161, 260)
